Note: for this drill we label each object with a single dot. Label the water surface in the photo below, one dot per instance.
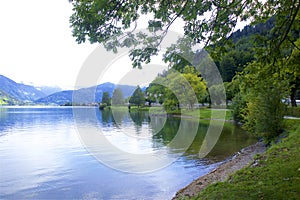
(42, 157)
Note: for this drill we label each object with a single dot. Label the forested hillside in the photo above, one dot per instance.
(241, 49)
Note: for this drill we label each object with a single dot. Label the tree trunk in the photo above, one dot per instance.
(293, 97)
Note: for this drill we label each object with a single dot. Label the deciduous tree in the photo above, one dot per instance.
(106, 98)
(117, 97)
(138, 97)
(205, 21)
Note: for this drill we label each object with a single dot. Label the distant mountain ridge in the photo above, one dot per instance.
(20, 91)
(85, 95)
(48, 90)
(12, 93)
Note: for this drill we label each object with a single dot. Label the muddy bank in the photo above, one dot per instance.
(221, 173)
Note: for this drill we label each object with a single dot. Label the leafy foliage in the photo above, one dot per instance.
(267, 80)
(138, 97)
(238, 105)
(106, 99)
(117, 97)
(179, 89)
(155, 91)
(103, 21)
(259, 104)
(205, 22)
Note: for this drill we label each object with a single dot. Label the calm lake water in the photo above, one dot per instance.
(42, 157)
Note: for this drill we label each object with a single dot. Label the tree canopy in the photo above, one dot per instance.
(117, 97)
(178, 89)
(207, 22)
(106, 98)
(138, 97)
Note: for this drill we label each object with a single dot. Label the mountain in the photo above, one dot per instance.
(6, 99)
(59, 98)
(48, 90)
(85, 95)
(21, 92)
(12, 93)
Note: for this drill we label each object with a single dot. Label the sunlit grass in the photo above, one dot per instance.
(206, 113)
(203, 113)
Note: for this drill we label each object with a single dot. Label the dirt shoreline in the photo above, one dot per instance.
(222, 172)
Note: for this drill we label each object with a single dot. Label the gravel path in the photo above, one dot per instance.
(221, 173)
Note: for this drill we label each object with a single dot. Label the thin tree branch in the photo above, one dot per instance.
(290, 24)
(172, 21)
(293, 44)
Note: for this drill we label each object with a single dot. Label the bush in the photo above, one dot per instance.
(238, 105)
(170, 104)
(264, 112)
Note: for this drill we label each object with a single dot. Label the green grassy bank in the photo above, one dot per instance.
(203, 113)
(273, 175)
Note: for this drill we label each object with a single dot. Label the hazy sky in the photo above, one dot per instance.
(36, 43)
(37, 47)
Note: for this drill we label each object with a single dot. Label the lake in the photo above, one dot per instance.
(43, 154)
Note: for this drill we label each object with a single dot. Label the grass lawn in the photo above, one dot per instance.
(275, 174)
(205, 113)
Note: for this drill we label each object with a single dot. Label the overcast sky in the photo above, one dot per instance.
(36, 43)
(37, 47)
